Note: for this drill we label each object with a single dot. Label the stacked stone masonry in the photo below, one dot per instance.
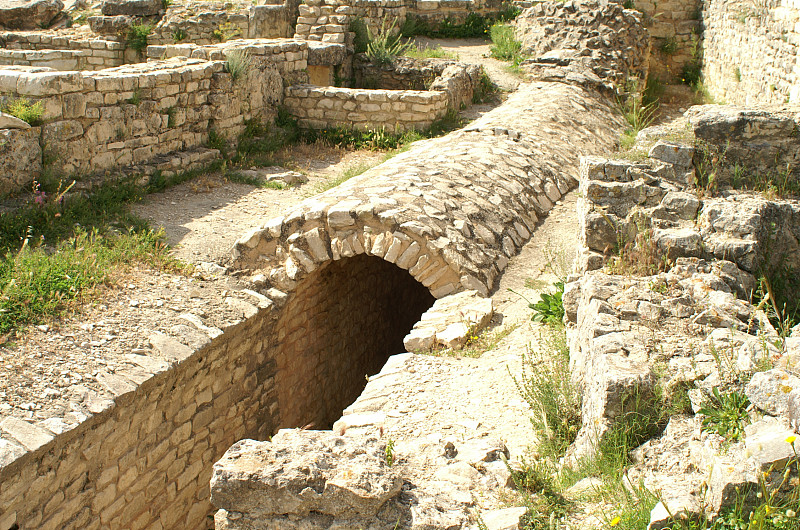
(211, 22)
(148, 112)
(138, 452)
(136, 449)
(675, 28)
(396, 110)
(60, 53)
(329, 21)
(750, 51)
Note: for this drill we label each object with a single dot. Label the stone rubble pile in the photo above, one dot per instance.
(599, 39)
(691, 329)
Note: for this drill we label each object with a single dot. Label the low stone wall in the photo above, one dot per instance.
(63, 59)
(404, 73)
(138, 114)
(750, 51)
(60, 52)
(397, 110)
(137, 452)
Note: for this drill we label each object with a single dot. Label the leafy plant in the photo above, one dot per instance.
(226, 32)
(725, 414)
(384, 47)
(361, 36)
(550, 308)
(136, 98)
(137, 36)
(485, 90)
(389, 452)
(238, 64)
(23, 109)
(669, 46)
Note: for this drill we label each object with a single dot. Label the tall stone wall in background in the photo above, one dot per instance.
(675, 28)
(750, 51)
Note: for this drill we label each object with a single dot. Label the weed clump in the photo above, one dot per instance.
(137, 36)
(22, 108)
(505, 47)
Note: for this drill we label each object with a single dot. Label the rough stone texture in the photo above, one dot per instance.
(586, 36)
(329, 21)
(395, 110)
(750, 51)
(64, 60)
(20, 158)
(428, 208)
(138, 8)
(146, 114)
(341, 481)
(674, 27)
(450, 322)
(29, 14)
(761, 139)
(134, 446)
(8, 121)
(208, 22)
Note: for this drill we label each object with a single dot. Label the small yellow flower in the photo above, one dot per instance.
(615, 521)
(791, 439)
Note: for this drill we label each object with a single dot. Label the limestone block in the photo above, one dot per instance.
(20, 158)
(771, 391)
(450, 321)
(30, 436)
(29, 14)
(301, 472)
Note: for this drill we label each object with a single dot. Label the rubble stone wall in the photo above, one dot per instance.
(750, 51)
(144, 459)
(675, 28)
(211, 22)
(145, 113)
(396, 110)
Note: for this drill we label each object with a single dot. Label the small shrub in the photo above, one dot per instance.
(691, 73)
(136, 98)
(545, 385)
(216, 141)
(429, 52)
(23, 109)
(137, 36)
(485, 90)
(384, 47)
(226, 32)
(726, 414)
(361, 38)
(238, 64)
(505, 45)
(389, 452)
(669, 46)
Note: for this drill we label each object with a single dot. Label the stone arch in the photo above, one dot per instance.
(340, 324)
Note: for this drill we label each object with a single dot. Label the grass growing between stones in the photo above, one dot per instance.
(22, 108)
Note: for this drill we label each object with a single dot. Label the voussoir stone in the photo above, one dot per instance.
(31, 14)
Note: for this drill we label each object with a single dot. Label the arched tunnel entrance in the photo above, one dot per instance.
(341, 324)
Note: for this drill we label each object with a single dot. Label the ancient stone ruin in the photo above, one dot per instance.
(246, 404)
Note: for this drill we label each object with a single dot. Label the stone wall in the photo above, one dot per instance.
(141, 114)
(750, 51)
(329, 21)
(138, 453)
(341, 324)
(396, 110)
(211, 22)
(59, 52)
(675, 28)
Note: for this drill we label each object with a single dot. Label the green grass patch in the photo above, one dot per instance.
(429, 52)
(137, 36)
(505, 46)
(59, 247)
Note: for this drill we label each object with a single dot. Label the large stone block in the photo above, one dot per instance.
(20, 158)
(29, 14)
